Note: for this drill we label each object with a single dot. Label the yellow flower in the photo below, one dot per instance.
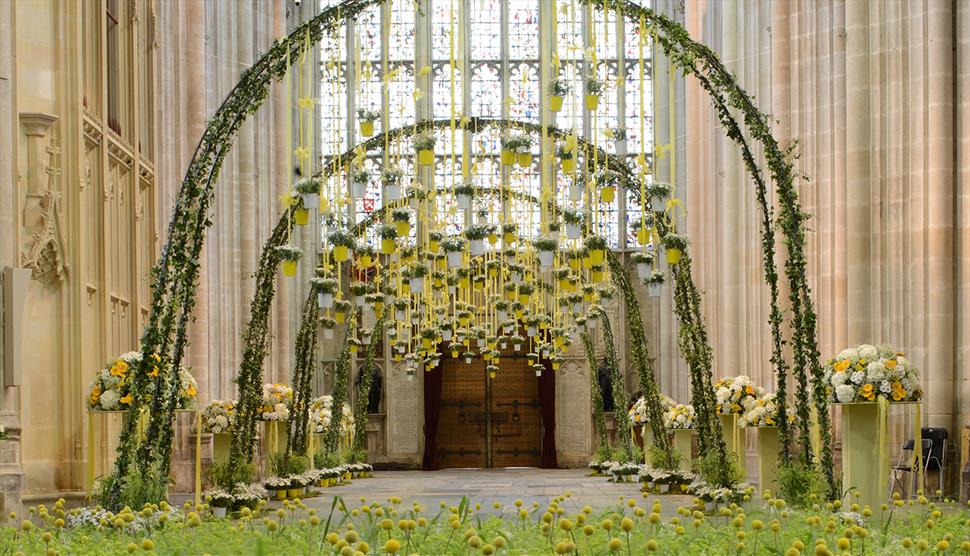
(154, 371)
(120, 368)
(126, 399)
(842, 365)
(891, 364)
(868, 392)
(191, 391)
(898, 391)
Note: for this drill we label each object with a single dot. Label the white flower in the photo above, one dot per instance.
(851, 354)
(858, 377)
(838, 379)
(845, 393)
(868, 352)
(109, 399)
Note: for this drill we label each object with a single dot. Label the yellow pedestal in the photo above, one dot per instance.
(768, 446)
(220, 447)
(647, 435)
(734, 438)
(682, 445)
(860, 449)
(275, 435)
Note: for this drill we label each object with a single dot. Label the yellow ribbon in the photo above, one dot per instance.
(917, 457)
(815, 434)
(736, 431)
(141, 427)
(661, 151)
(882, 434)
(198, 458)
(91, 452)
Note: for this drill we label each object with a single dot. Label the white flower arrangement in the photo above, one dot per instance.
(219, 416)
(638, 412)
(681, 416)
(277, 400)
(249, 494)
(763, 414)
(736, 394)
(111, 388)
(866, 372)
(218, 497)
(321, 411)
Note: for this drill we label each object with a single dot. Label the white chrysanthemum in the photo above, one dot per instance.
(851, 354)
(885, 387)
(723, 395)
(838, 379)
(868, 351)
(845, 393)
(858, 377)
(221, 423)
(109, 399)
(875, 371)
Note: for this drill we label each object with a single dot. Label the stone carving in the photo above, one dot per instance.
(43, 253)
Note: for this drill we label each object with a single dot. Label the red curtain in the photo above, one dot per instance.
(547, 410)
(432, 415)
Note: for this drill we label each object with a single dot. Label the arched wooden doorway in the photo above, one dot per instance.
(489, 422)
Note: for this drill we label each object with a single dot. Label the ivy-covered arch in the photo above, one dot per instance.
(175, 274)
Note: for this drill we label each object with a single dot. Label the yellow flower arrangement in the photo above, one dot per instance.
(866, 372)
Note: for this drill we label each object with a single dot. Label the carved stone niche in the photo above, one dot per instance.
(43, 251)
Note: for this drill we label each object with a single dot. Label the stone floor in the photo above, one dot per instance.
(486, 486)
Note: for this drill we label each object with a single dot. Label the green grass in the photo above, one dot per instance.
(633, 526)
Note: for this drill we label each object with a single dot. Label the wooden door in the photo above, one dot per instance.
(489, 423)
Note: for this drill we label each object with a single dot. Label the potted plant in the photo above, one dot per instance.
(538, 368)
(391, 179)
(643, 260)
(309, 190)
(546, 246)
(424, 145)
(342, 243)
(654, 283)
(219, 500)
(367, 118)
(508, 233)
(596, 246)
(606, 181)
(325, 287)
(525, 292)
(429, 336)
(558, 89)
(642, 230)
(476, 238)
(340, 309)
(593, 88)
(415, 275)
(674, 245)
(454, 247)
(618, 134)
(517, 342)
(573, 219)
(328, 325)
(464, 194)
(434, 241)
(567, 157)
(289, 255)
(510, 147)
(358, 182)
(402, 221)
(277, 487)
(658, 192)
(523, 152)
(360, 289)
(388, 234)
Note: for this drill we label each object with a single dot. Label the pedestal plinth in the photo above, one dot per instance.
(734, 438)
(768, 447)
(682, 445)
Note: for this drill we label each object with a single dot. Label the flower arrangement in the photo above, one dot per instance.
(764, 413)
(219, 416)
(638, 411)
(366, 115)
(391, 175)
(307, 186)
(736, 394)
(111, 388)
(277, 400)
(558, 87)
(425, 142)
(680, 416)
(593, 86)
(289, 252)
(321, 410)
(865, 373)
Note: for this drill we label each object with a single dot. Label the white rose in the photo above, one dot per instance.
(845, 393)
(109, 399)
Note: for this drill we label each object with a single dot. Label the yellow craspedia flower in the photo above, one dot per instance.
(147, 545)
(392, 546)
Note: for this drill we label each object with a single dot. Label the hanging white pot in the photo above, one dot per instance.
(415, 318)
(417, 285)
(451, 290)
(400, 349)
(477, 247)
(481, 343)
(545, 352)
(538, 372)
(575, 193)
(545, 258)
(464, 202)
(391, 332)
(578, 307)
(446, 335)
(365, 339)
(517, 346)
(516, 276)
(392, 192)
(503, 344)
(324, 300)
(573, 231)
(643, 270)
(414, 203)
(507, 329)
(358, 190)
(454, 259)
(530, 331)
(311, 200)
(360, 300)
(400, 314)
(328, 333)
(468, 360)
(653, 290)
(410, 377)
(501, 314)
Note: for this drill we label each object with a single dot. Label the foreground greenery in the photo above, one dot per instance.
(565, 526)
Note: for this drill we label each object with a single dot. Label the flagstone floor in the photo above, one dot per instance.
(486, 486)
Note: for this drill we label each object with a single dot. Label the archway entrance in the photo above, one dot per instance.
(489, 422)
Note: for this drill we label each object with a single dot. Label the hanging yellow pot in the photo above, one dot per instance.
(403, 228)
(341, 253)
(478, 285)
(563, 283)
(597, 275)
(574, 264)
(508, 157)
(555, 365)
(508, 238)
(510, 295)
(523, 298)
(426, 157)
(353, 348)
(442, 264)
(406, 287)
(340, 316)
(524, 159)
(568, 165)
(492, 239)
(365, 261)
(367, 128)
(387, 246)
(555, 103)
(426, 342)
(454, 354)
(531, 360)
(592, 102)
(643, 236)
(289, 268)
(587, 262)
(597, 256)
(608, 194)
(673, 256)
(519, 313)
(433, 245)
(301, 217)
(378, 307)
(491, 374)
(588, 297)
(492, 272)
(464, 283)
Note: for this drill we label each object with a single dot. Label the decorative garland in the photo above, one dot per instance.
(599, 418)
(331, 441)
(363, 391)
(306, 348)
(620, 398)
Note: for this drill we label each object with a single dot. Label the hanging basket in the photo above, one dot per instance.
(555, 103)
(324, 300)
(464, 201)
(403, 228)
(387, 246)
(341, 253)
(608, 194)
(569, 165)
(643, 236)
(392, 192)
(301, 217)
(426, 157)
(524, 159)
(367, 128)
(311, 200)
(573, 231)
(592, 102)
(507, 157)
(289, 268)
(673, 256)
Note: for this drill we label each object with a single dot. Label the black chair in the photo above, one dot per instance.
(903, 464)
(936, 461)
